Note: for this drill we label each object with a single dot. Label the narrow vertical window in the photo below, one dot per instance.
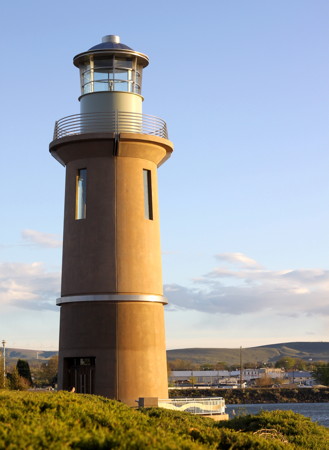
(148, 206)
(80, 194)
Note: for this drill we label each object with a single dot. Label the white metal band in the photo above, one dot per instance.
(112, 298)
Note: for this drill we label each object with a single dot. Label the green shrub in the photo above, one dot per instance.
(296, 428)
(32, 420)
(16, 382)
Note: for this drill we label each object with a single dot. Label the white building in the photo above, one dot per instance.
(225, 378)
(220, 377)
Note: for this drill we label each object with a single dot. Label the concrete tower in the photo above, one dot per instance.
(112, 339)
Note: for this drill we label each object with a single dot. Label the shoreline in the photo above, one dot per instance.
(258, 395)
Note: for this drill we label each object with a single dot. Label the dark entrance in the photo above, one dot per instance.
(79, 373)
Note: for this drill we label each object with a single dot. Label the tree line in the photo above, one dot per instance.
(286, 363)
(21, 376)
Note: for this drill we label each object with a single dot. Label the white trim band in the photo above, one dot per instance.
(112, 298)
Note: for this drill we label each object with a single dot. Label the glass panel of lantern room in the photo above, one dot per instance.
(86, 77)
(102, 80)
(86, 82)
(123, 63)
(103, 74)
(122, 83)
(138, 78)
(123, 74)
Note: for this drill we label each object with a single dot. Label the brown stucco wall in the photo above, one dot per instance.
(137, 238)
(89, 255)
(142, 365)
(89, 330)
(128, 342)
(114, 250)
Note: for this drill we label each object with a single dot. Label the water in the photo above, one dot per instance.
(318, 412)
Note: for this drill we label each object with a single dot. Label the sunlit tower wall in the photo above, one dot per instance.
(112, 339)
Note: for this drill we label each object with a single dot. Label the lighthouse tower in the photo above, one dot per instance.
(112, 339)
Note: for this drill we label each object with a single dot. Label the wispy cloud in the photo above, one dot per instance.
(238, 259)
(28, 286)
(47, 240)
(249, 288)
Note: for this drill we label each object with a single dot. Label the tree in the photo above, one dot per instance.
(207, 367)
(51, 369)
(321, 374)
(16, 382)
(264, 381)
(289, 363)
(250, 365)
(182, 364)
(23, 369)
(47, 373)
(300, 364)
(220, 365)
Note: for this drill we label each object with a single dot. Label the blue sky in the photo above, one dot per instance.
(243, 86)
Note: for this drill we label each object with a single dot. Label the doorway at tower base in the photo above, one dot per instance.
(79, 375)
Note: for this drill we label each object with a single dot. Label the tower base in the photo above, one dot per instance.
(113, 349)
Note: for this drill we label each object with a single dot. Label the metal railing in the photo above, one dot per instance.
(205, 406)
(111, 122)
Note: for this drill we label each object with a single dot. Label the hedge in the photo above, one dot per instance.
(32, 420)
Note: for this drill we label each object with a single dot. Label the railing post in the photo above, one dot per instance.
(55, 130)
(116, 122)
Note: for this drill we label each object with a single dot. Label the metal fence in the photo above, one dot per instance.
(112, 122)
(204, 406)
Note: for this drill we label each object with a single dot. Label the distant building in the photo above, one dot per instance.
(206, 377)
(300, 377)
(228, 378)
(254, 374)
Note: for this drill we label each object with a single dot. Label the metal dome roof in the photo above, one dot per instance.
(110, 44)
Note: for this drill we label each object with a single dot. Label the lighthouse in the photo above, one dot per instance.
(112, 338)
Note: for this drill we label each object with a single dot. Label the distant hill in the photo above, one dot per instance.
(13, 354)
(317, 351)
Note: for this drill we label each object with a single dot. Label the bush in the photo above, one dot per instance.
(16, 382)
(295, 428)
(31, 420)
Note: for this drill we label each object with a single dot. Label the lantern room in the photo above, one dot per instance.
(111, 66)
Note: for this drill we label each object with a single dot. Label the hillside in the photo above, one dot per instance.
(13, 354)
(315, 351)
(64, 420)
